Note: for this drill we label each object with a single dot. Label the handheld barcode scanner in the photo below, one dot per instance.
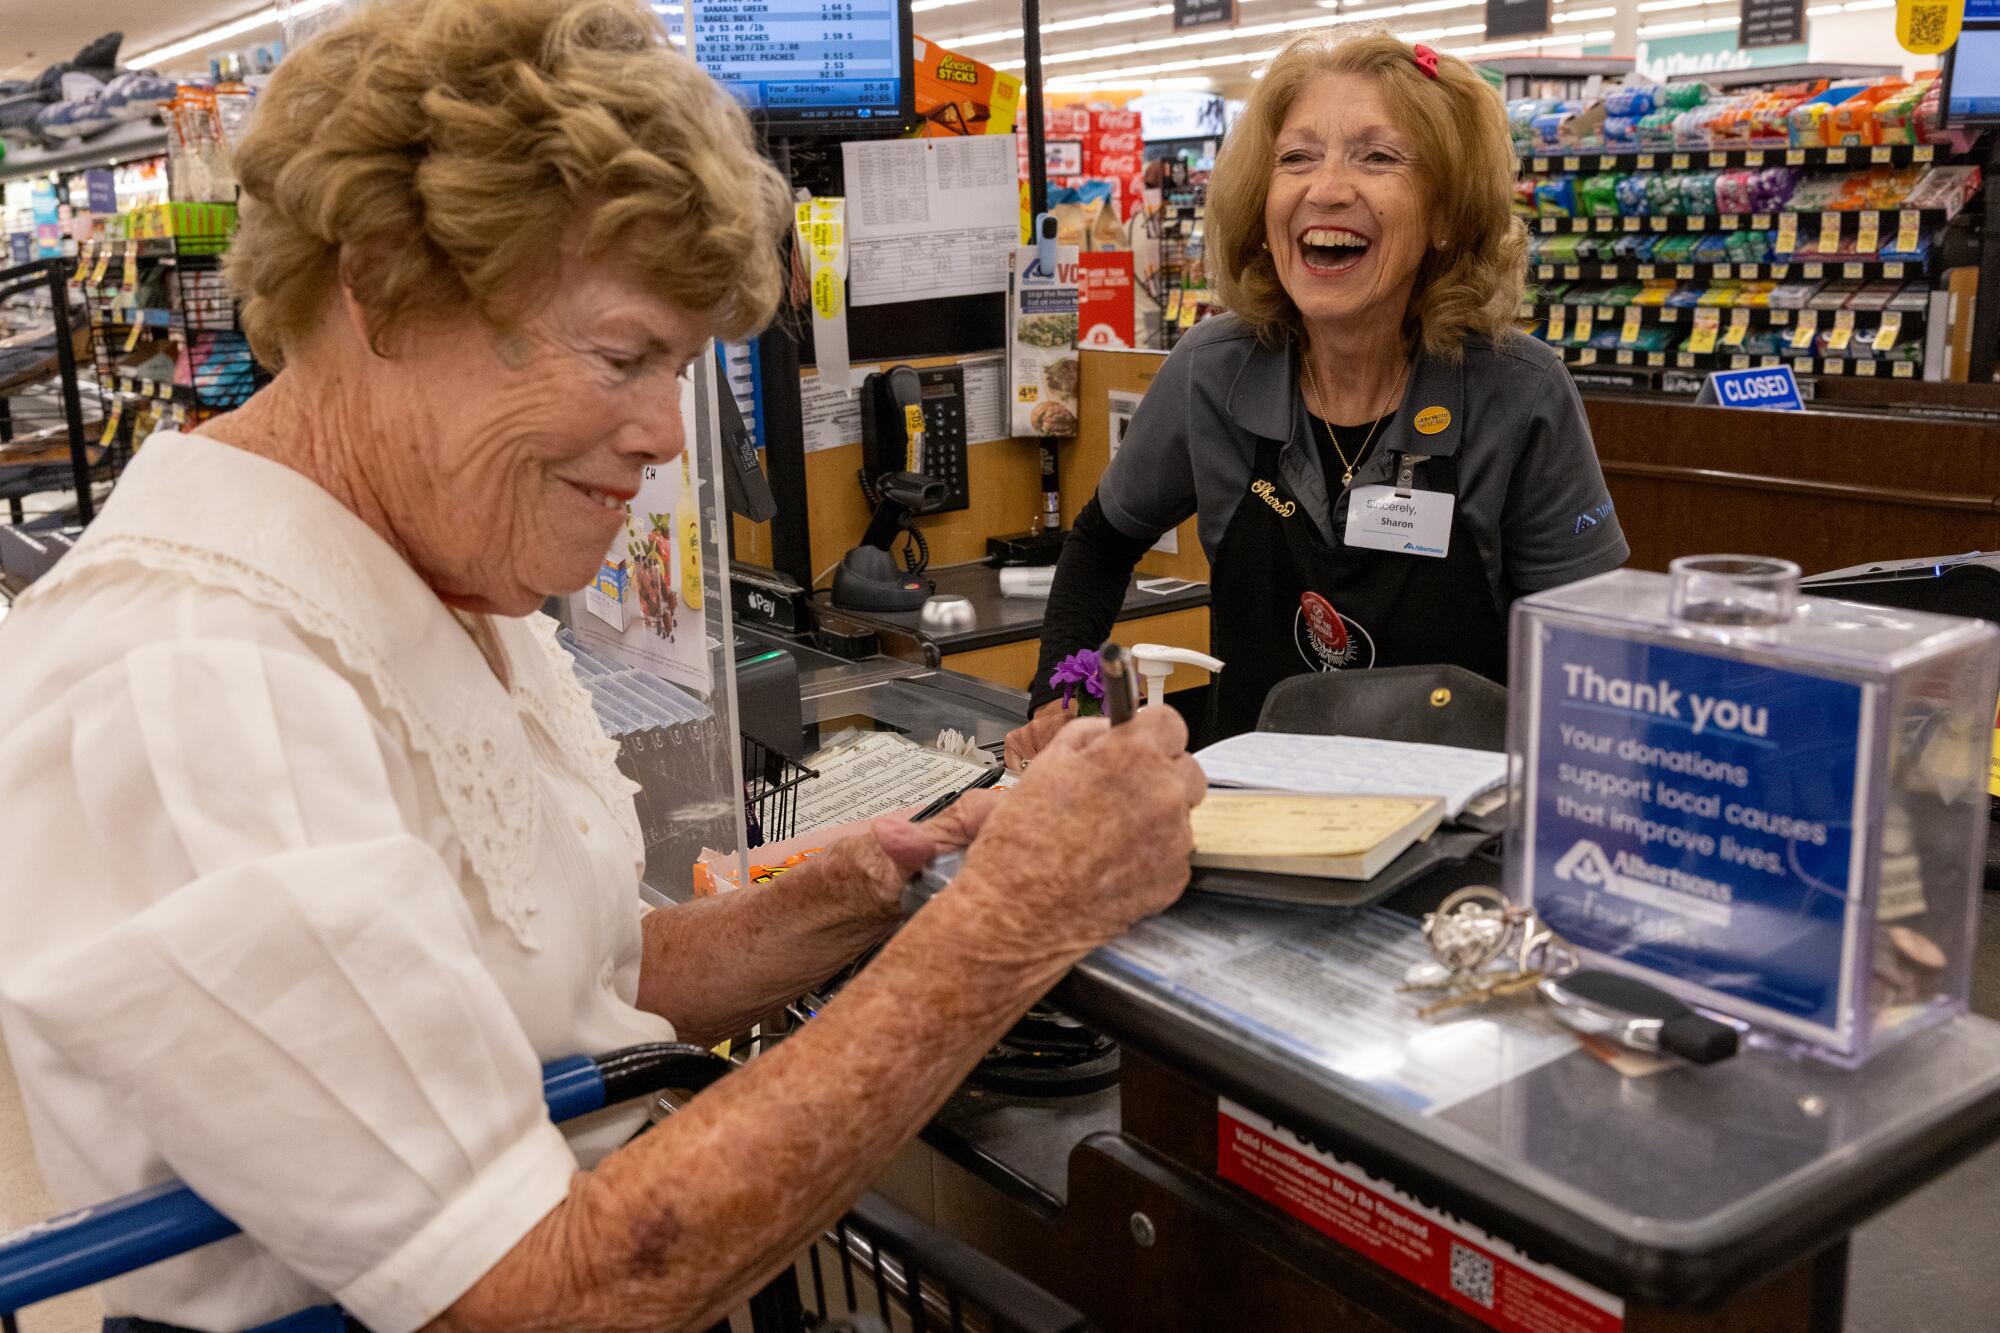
(1046, 231)
(1637, 1016)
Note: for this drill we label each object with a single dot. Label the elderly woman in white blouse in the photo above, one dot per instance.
(316, 851)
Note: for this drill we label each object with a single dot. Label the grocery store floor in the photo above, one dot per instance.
(1925, 1266)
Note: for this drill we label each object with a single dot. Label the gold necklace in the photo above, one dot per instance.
(1319, 406)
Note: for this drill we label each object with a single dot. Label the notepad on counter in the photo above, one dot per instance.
(1353, 766)
(1330, 837)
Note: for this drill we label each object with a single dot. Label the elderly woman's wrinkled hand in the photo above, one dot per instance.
(1095, 837)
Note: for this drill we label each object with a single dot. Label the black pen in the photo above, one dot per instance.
(943, 803)
(1121, 694)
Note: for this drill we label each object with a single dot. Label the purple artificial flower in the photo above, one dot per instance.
(1079, 668)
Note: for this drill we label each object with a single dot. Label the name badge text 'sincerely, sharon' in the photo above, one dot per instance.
(1415, 524)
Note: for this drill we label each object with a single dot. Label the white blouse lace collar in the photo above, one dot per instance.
(204, 510)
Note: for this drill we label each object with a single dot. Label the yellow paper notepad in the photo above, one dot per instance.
(1331, 837)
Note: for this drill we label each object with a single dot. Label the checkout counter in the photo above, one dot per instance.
(1252, 1168)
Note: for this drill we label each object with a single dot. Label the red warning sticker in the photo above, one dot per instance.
(1484, 1276)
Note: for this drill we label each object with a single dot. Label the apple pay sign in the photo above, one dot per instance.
(1416, 523)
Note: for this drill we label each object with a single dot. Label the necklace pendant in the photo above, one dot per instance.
(1347, 477)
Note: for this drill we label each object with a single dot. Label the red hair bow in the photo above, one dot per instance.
(1427, 60)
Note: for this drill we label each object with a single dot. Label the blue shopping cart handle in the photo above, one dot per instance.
(95, 1244)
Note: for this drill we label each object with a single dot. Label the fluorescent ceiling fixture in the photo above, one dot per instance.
(1666, 29)
(1064, 25)
(222, 32)
(1857, 5)
(1259, 57)
(1586, 15)
(1195, 84)
(1662, 6)
(1821, 11)
(1249, 34)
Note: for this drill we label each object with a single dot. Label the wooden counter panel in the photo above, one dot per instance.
(1824, 489)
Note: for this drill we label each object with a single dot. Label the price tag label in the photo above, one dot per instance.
(1603, 224)
(1739, 363)
(1585, 324)
(1842, 332)
(1572, 164)
(1731, 221)
(1630, 223)
(1804, 332)
(1836, 157)
(1698, 222)
(103, 264)
(1725, 271)
(1779, 272)
(1587, 357)
(1546, 225)
(1865, 369)
(1923, 152)
(1669, 315)
(138, 328)
(1558, 323)
(1795, 157)
(1545, 271)
(1647, 161)
(1889, 330)
(1813, 270)
(1879, 155)
(1624, 356)
(1908, 223)
(1761, 221)
(1754, 158)
(1868, 233)
(130, 281)
(1633, 320)
(1893, 269)
(1904, 370)
(1656, 223)
(1802, 364)
(1829, 233)
(1682, 161)
(1656, 358)
(1540, 165)
(1707, 323)
(1572, 271)
(1853, 270)
(1684, 270)
(111, 423)
(1788, 233)
(1647, 270)
(83, 260)
(1739, 328)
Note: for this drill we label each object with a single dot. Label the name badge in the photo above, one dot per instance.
(1415, 524)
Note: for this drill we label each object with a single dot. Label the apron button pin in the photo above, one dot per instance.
(1440, 697)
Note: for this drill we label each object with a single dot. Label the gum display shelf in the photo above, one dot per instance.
(1887, 220)
(1684, 316)
(1857, 367)
(1702, 159)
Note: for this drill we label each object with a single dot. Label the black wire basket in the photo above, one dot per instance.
(770, 792)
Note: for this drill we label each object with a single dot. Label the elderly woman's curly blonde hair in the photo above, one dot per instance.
(1465, 169)
(435, 154)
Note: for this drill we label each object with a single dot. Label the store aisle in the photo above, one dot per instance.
(22, 1200)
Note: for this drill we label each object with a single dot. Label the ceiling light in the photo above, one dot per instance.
(923, 6)
(222, 32)
(1063, 25)
(1668, 29)
(1662, 6)
(1586, 15)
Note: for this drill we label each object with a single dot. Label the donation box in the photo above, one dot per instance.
(1773, 806)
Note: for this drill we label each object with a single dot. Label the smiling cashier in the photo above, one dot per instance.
(1380, 463)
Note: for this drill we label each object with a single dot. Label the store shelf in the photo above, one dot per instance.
(1684, 316)
(1805, 268)
(1584, 357)
(1885, 219)
(1704, 159)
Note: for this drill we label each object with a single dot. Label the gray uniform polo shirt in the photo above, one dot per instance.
(1529, 488)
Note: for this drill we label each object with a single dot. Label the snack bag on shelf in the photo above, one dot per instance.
(1853, 123)
(1896, 115)
(1619, 133)
(1631, 192)
(1732, 191)
(1772, 188)
(1556, 197)
(1524, 197)
(1681, 96)
(1948, 188)
(1698, 192)
(1632, 101)
(1656, 129)
(1810, 119)
(1663, 195)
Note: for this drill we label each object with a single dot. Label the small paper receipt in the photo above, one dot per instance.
(1415, 524)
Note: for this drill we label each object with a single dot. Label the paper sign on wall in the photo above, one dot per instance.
(1105, 311)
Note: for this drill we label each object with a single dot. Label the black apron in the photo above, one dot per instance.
(1283, 601)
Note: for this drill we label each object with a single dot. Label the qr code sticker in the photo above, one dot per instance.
(1472, 1275)
(1927, 24)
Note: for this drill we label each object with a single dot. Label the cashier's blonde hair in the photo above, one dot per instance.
(433, 155)
(1465, 170)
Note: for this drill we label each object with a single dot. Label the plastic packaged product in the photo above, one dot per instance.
(1634, 101)
(1626, 247)
(1811, 118)
(1698, 192)
(1833, 294)
(1619, 133)
(1683, 297)
(1853, 124)
(1592, 248)
(1556, 197)
(1720, 294)
(1947, 188)
(1913, 298)
(1712, 248)
(1732, 191)
(1816, 192)
(1652, 338)
(1654, 292)
(1663, 195)
(1560, 249)
(1749, 247)
(1657, 130)
(1681, 96)
(1633, 199)
(1598, 196)
(1755, 294)
(1793, 295)
(1521, 113)
(1524, 197)
(1691, 127)
(1772, 187)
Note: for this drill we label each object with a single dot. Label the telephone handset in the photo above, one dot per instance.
(897, 489)
(914, 421)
